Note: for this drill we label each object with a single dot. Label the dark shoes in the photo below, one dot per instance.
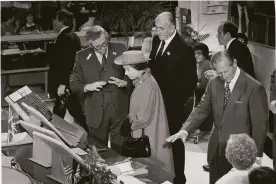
(206, 168)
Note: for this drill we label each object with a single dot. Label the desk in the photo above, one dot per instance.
(39, 173)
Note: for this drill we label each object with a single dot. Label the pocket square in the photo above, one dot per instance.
(239, 102)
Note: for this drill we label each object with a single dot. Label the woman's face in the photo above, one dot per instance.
(30, 19)
(199, 56)
(131, 72)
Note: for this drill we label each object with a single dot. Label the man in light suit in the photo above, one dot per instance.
(238, 104)
(173, 66)
(100, 84)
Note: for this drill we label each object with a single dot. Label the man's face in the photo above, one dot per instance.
(57, 23)
(100, 45)
(225, 70)
(30, 19)
(221, 36)
(164, 28)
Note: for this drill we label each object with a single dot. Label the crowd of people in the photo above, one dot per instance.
(153, 90)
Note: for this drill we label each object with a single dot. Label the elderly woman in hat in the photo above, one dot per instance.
(147, 111)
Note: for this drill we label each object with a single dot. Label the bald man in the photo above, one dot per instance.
(173, 66)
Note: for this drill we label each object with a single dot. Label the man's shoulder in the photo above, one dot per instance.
(83, 51)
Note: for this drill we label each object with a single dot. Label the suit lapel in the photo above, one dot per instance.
(220, 97)
(236, 93)
(93, 62)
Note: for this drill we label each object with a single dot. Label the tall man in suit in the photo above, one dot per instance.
(238, 104)
(227, 33)
(61, 64)
(101, 86)
(173, 66)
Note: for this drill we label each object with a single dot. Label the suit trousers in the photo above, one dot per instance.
(178, 151)
(110, 125)
(219, 166)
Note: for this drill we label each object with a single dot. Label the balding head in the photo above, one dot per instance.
(166, 16)
(224, 64)
(165, 25)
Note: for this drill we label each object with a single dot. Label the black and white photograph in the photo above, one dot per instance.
(138, 92)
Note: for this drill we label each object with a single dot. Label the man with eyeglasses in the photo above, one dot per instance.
(101, 85)
(238, 104)
(173, 66)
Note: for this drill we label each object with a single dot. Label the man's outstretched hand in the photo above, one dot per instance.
(182, 134)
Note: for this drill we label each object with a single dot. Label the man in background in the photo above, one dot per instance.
(173, 66)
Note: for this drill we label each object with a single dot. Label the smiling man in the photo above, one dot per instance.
(100, 84)
(173, 66)
(238, 104)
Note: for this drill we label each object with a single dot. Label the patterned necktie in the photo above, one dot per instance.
(227, 93)
(243, 21)
(104, 60)
(161, 49)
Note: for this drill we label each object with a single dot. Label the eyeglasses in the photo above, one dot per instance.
(99, 47)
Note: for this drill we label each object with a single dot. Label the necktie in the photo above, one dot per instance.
(227, 93)
(104, 60)
(161, 49)
(243, 21)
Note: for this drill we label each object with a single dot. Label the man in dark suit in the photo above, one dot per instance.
(61, 64)
(102, 87)
(227, 33)
(238, 104)
(173, 66)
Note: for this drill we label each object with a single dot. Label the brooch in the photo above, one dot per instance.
(168, 53)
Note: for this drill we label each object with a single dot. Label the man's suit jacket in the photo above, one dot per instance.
(245, 112)
(86, 71)
(62, 59)
(175, 73)
(243, 56)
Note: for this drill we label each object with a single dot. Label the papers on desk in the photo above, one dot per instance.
(18, 139)
(132, 168)
(129, 179)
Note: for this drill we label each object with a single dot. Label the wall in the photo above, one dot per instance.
(263, 57)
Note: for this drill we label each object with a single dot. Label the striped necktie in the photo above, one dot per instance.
(161, 49)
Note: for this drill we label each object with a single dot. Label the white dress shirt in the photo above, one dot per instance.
(167, 42)
(228, 44)
(100, 56)
(62, 29)
(234, 80)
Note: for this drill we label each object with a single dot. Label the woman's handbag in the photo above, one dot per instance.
(137, 147)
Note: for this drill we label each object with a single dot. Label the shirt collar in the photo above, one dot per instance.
(63, 29)
(100, 55)
(170, 39)
(236, 76)
(228, 44)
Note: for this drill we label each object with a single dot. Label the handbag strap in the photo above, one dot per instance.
(143, 133)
